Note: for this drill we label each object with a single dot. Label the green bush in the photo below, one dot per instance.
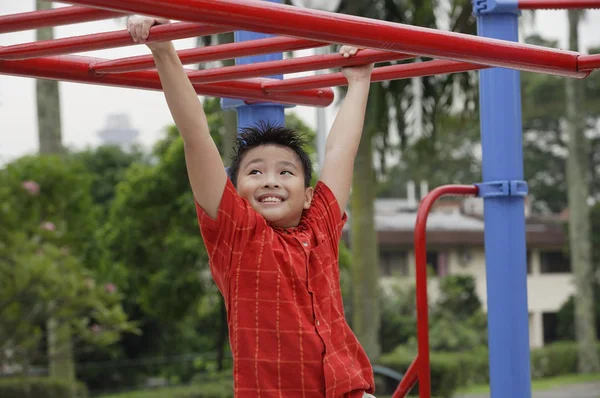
(555, 359)
(223, 389)
(445, 370)
(39, 387)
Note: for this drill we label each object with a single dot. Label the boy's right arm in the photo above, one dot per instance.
(206, 170)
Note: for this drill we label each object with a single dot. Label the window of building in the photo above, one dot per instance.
(393, 263)
(550, 325)
(554, 262)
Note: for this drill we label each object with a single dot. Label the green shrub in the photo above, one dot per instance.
(39, 387)
(212, 389)
(445, 370)
(555, 359)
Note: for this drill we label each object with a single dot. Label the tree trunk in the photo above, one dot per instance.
(48, 101)
(579, 216)
(229, 136)
(365, 272)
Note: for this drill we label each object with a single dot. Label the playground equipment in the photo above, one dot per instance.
(495, 52)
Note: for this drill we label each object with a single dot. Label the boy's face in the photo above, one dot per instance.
(271, 178)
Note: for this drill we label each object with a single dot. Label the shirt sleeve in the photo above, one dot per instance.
(226, 236)
(325, 210)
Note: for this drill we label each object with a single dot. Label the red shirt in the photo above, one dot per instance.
(287, 329)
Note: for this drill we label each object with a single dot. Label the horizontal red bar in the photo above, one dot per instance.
(211, 53)
(558, 4)
(98, 41)
(392, 72)
(302, 64)
(53, 17)
(76, 69)
(589, 62)
(330, 27)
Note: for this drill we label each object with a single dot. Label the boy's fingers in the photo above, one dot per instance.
(146, 29)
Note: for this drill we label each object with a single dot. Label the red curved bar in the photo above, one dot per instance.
(330, 27)
(423, 364)
(54, 17)
(589, 62)
(382, 73)
(302, 64)
(98, 41)
(558, 4)
(211, 53)
(76, 69)
(408, 380)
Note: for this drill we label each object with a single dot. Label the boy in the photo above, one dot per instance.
(273, 240)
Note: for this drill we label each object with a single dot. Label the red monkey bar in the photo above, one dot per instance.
(330, 27)
(558, 4)
(419, 370)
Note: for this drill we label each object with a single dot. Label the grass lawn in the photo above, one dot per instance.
(542, 384)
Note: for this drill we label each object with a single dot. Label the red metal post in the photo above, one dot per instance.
(423, 365)
(54, 17)
(98, 41)
(558, 4)
(302, 64)
(382, 73)
(76, 69)
(329, 27)
(211, 53)
(408, 380)
(589, 62)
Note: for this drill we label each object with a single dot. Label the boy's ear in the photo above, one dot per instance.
(308, 196)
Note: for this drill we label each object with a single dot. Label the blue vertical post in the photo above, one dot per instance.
(249, 115)
(503, 191)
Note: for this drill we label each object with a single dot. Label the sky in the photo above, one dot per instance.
(84, 108)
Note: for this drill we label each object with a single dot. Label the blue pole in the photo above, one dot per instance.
(503, 191)
(249, 115)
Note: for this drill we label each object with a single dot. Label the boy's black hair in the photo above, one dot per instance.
(269, 134)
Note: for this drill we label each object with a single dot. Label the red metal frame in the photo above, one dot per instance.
(330, 27)
(98, 41)
(419, 370)
(77, 69)
(558, 4)
(53, 17)
(302, 64)
(392, 72)
(589, 62)
(211, 53)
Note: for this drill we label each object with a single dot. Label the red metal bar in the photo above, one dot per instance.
(76, 69)
(211, 53)
(53, 17)
(329, 27)
(392, 72)
(558, 4)
(97, 41)
(408, 380)
(424, 371)
(302, 64)
(589, 62)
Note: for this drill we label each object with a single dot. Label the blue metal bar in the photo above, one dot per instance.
(249, 115)
(504, 215)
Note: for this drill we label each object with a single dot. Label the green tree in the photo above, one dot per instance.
(48, 217)
(578, 190)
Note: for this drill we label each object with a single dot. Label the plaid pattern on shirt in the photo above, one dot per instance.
(287, 329)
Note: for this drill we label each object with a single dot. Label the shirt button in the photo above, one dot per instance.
(318, 323)
(305, 244)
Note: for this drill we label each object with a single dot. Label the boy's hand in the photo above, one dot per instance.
(139, 26)
(355, 73)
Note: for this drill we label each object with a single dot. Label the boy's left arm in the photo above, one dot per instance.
(346, 131)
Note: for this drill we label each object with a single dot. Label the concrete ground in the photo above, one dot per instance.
(584, 390)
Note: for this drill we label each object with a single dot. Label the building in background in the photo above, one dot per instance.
(118, 132)
(455, 243)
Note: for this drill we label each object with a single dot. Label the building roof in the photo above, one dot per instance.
(451, 223)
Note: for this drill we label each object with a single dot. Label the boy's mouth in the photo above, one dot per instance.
(270, 199)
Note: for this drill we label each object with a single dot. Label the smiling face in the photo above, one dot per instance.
(271, 178)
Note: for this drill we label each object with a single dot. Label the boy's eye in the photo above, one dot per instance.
(287, 171)
(255, 172)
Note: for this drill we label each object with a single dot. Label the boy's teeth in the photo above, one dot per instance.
(271, 199)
